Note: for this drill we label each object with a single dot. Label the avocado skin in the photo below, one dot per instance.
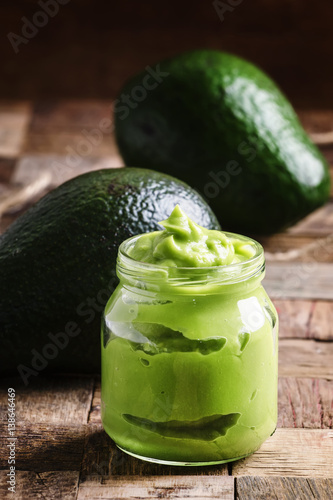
(213, 108)
(63, 251)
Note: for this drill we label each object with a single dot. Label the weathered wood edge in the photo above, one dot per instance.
(291, 452)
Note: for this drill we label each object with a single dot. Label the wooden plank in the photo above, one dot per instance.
(291, 452)
(305, 403)
(110, 461)
(297, 247)
(42, 447)
(283, 488)
(316, 121)
(328, 153)
(299, 280)
(321, 323)
(19, 197)
(51, 400)
(294, 317)
(305, 358)
(305, 319)
(29, 167)
(14, 119)
(95, 410)
(318, 223)
(6, 171)
(150, 487)
(69, 114)
(41, 485)
(74, 142)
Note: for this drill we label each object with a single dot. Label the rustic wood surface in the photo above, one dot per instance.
(62, 451)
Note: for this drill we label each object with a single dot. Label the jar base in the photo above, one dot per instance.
(181, 464)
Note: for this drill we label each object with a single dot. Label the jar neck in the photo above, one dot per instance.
(190, 280)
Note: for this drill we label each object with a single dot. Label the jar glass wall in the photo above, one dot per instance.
(189, 361)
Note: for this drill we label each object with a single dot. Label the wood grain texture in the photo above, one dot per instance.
(299, 280)
(305, 403)
(318, 223)
(294, 317)
(41, 485)
(321, 323)
(328, 153)
(57, 115)
(153, 487)
(78, 130)
(316, 121)
(291, 452)
(305, 319)
(14, 120)
(42, 447)
(51, 400)
(303, 245)
(64, 142)
(102, 458)
(283, 488)
(305, 358)
(6, 171)
(95, 410)
(62, 167)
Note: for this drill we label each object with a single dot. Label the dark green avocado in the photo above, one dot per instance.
(221, 125)
(57, 264)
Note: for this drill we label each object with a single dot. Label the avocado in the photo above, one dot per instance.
(57, 264)
(220, 124)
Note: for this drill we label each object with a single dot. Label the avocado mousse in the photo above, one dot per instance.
(189, 347)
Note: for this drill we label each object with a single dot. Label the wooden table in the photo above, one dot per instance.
(61, 449)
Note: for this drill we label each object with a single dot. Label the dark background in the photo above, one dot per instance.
(90, 47)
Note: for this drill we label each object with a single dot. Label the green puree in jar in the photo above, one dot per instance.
(184, 243)
(189, 347)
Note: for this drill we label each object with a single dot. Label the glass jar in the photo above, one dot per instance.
(189, 360)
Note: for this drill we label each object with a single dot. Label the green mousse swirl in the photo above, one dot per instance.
(183, 243)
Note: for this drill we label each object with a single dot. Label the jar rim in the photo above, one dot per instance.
(134, 270)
